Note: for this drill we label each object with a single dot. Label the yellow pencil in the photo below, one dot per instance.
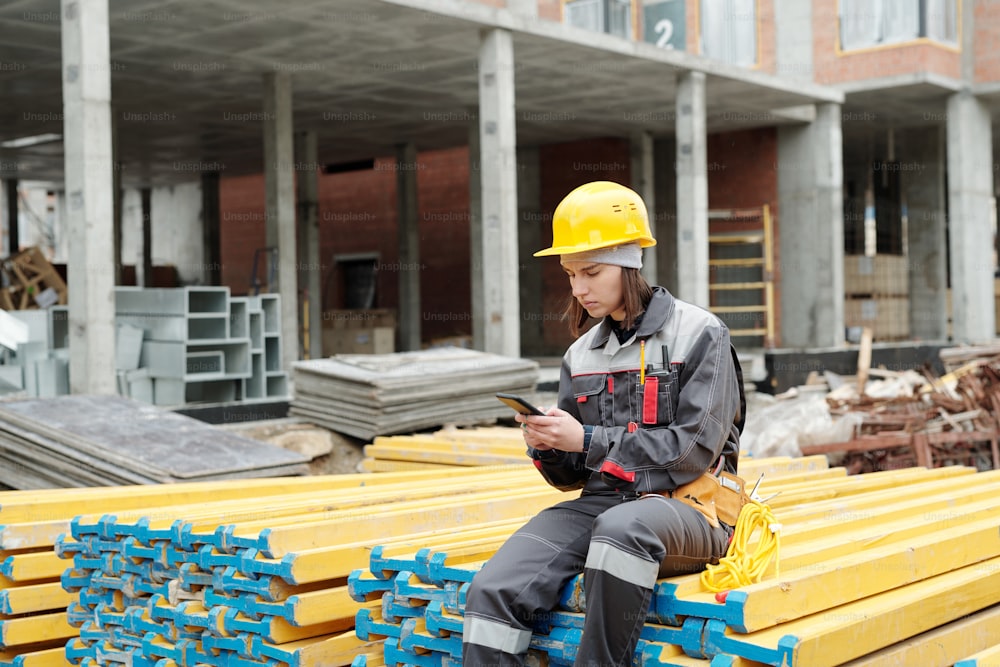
(642, 362)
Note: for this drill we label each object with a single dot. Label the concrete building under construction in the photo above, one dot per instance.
(810, 167)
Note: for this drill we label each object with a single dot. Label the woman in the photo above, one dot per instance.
(650, 399)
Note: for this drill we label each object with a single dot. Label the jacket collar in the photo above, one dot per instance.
(660, 307)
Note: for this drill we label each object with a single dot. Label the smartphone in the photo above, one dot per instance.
(519, 404)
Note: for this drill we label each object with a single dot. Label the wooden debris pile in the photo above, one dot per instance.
(30, 282)
(911, 418)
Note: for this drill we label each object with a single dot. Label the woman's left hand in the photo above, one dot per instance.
(557, 429)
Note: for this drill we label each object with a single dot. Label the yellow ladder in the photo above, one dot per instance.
(764, 260)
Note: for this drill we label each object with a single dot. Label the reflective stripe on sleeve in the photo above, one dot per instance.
(495, 635)
(622, 564)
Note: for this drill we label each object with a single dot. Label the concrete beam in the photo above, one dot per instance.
(970, 225)
(90, 195)
(811, 230)
(641, 155)
(692, 190)
(409, 247)
(279, 179)
(310, 266)
(926, 197)
(499, 311)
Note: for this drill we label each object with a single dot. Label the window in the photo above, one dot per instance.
(611, 16)
(353, 281)
(865, 23)
(729, 30)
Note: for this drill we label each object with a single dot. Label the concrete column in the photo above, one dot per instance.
(117, 200)
(793, 37)
(643, 183)
(90, 195)
(692, 190)
(926, 229)
(810, 199)
(146, 197)
(279, 178)
(970, 204)
(211, 227)
(409, 247)
(476, 236)
(13, 217)
(498, 312)
(529, 241)
(665, 216)
(310, 266)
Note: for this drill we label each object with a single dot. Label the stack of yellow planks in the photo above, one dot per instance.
(372, 569)
(446, 448)
(889, 568)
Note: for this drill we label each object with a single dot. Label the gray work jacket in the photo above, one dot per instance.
(661, 434)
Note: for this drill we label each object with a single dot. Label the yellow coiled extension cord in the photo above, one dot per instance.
(739, 567)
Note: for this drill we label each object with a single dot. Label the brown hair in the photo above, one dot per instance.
(636, 291)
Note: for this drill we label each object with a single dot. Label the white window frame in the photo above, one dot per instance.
(600, 16)
(872, 23)
(728, 30)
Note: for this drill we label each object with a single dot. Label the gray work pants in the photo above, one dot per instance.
(622, 547)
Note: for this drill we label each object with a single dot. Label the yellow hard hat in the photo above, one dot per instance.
(598, 215)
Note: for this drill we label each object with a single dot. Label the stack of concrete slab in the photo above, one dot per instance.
(35, 352)
(200, 344)
(367, 395)
(110, 440)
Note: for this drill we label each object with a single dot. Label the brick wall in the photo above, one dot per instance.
(831, 66)
(550, 9)
(357, 213)
(987, 40)
(742, 173)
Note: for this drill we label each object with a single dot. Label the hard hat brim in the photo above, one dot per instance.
(574, 249)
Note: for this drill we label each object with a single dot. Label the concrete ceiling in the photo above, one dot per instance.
(367, 75)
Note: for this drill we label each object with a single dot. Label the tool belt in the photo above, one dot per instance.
(718, 498)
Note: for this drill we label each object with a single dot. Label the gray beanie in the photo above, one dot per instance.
(628, 255)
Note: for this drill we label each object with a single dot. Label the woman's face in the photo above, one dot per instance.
(598, 288)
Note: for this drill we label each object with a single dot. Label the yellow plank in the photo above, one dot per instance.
(312, 506)
(383, 466)
(318, 606)
(30, 599)
(457, 457)
(34, 566)
(286, 539)
(33, 629)
(50, 504)
(342, 559)
(944, 646)
(54, 656)
(333, 651)
(808, 543)
(862, 627)
(804, 492)
(841, 580)
(988, 657)
(752, 467)
(32, 534)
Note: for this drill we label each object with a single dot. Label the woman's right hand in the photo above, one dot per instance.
(530, 435)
